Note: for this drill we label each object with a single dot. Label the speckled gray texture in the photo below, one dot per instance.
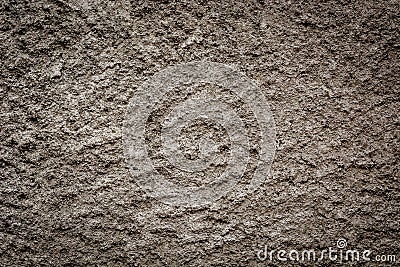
(186, 108)
(330, 73)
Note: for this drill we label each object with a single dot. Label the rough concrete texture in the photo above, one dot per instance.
(330, 73)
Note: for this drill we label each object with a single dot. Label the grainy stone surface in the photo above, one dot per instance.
(330, 73)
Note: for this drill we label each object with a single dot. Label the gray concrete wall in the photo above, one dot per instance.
(329, 72)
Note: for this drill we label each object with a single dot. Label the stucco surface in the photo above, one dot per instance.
(329, 72)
